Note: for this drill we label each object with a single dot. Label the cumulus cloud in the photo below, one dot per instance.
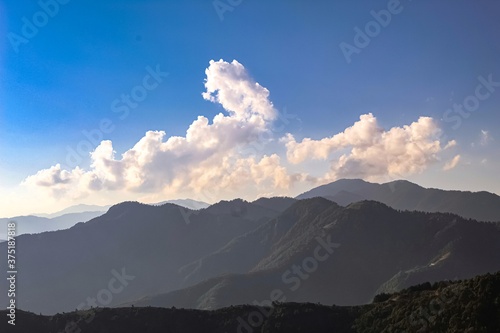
(209, 162)
(207, 157)
(373, 151)
(230, 85)
(452, 163)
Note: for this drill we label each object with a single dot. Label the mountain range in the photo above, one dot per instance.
(35, 224)
(404, 195)
(148, 242)
(445, 307)
(318, 251)
(68, 217)
(81, 208)
(240, 252)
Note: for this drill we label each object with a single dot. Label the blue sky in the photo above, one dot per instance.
(65, 78)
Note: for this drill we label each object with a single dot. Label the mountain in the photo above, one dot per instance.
(82, 208)
(278, 204)
(35, 224)
(143, 243)
(245, 251)
(403, 195)
(318, 251)
(253, 210)
(66, 218)
(444, 307)
(186, 203)
(237, 252)
(75, 209)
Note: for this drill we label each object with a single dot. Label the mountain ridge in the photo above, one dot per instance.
(471, 305)
(405, 195)
(375, 244)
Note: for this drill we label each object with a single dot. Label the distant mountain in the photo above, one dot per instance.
(36, 224)
(186, 203)
(404, 195)
(461, 306)
(75, 209)
(318, 251)
(148, 242)
(66, 218)
(82, 208)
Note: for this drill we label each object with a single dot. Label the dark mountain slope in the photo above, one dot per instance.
(278, 204)
(242, 253)
(444, 307)
(149, 243)
(369, 248)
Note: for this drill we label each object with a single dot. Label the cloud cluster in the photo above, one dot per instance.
(372, 151)
(209, 163)
(207, 157)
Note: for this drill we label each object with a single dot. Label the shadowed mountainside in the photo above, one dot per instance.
(148, 243)
(318, 251)
(237, 252)
(444, 307)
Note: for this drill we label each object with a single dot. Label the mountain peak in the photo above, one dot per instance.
(368, 205)
(405, 195)
(124, 206)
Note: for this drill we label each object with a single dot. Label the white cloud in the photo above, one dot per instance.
(205, 160)
(230, 85)
(374, 152)
(452, 163)
(208, 163)
(450, 144)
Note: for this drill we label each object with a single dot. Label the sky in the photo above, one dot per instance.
(107, 101)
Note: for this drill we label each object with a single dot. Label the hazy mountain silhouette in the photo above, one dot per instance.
(186, 203)
(35, 224)
(404, 195)
(82, 208)
(70, 216)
